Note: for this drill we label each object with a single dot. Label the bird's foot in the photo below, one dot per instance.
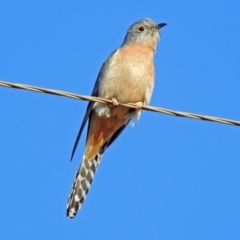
(139, 105)
(114, 102)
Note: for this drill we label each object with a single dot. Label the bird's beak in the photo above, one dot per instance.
(160, 25)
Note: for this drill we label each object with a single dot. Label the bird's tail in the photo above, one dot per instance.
(81, 184)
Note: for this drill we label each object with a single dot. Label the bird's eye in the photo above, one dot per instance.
(141, 29)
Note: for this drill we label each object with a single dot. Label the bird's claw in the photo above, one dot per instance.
(114, 102)
(139, 105)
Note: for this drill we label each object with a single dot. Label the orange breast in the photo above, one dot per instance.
(130, 74)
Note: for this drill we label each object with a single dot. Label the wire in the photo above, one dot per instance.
(131, 105)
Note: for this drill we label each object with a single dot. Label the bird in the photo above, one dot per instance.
(127, 76)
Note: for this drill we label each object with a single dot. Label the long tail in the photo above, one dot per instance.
(81, 184)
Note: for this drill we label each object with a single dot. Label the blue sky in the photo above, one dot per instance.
(166, 178)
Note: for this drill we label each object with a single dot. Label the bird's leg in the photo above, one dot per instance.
(114, 102)
(139, 105)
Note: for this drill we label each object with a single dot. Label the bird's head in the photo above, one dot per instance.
(144, 31)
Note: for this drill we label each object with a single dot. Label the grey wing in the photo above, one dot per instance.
(87, 115)
(90, 104)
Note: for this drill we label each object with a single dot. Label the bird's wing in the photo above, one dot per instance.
(91, 104)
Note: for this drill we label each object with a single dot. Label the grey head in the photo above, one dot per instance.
(144, 31)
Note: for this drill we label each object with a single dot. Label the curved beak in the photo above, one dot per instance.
(160, 25)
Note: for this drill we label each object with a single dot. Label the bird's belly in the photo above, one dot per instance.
(102, 129)
(130, 86)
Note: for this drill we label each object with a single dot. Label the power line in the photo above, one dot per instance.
(102, 100)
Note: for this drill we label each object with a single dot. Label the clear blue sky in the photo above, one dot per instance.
(166, 178)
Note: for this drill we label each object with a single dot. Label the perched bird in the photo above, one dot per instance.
(127, 76)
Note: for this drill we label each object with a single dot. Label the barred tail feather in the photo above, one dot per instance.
(81, 184)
